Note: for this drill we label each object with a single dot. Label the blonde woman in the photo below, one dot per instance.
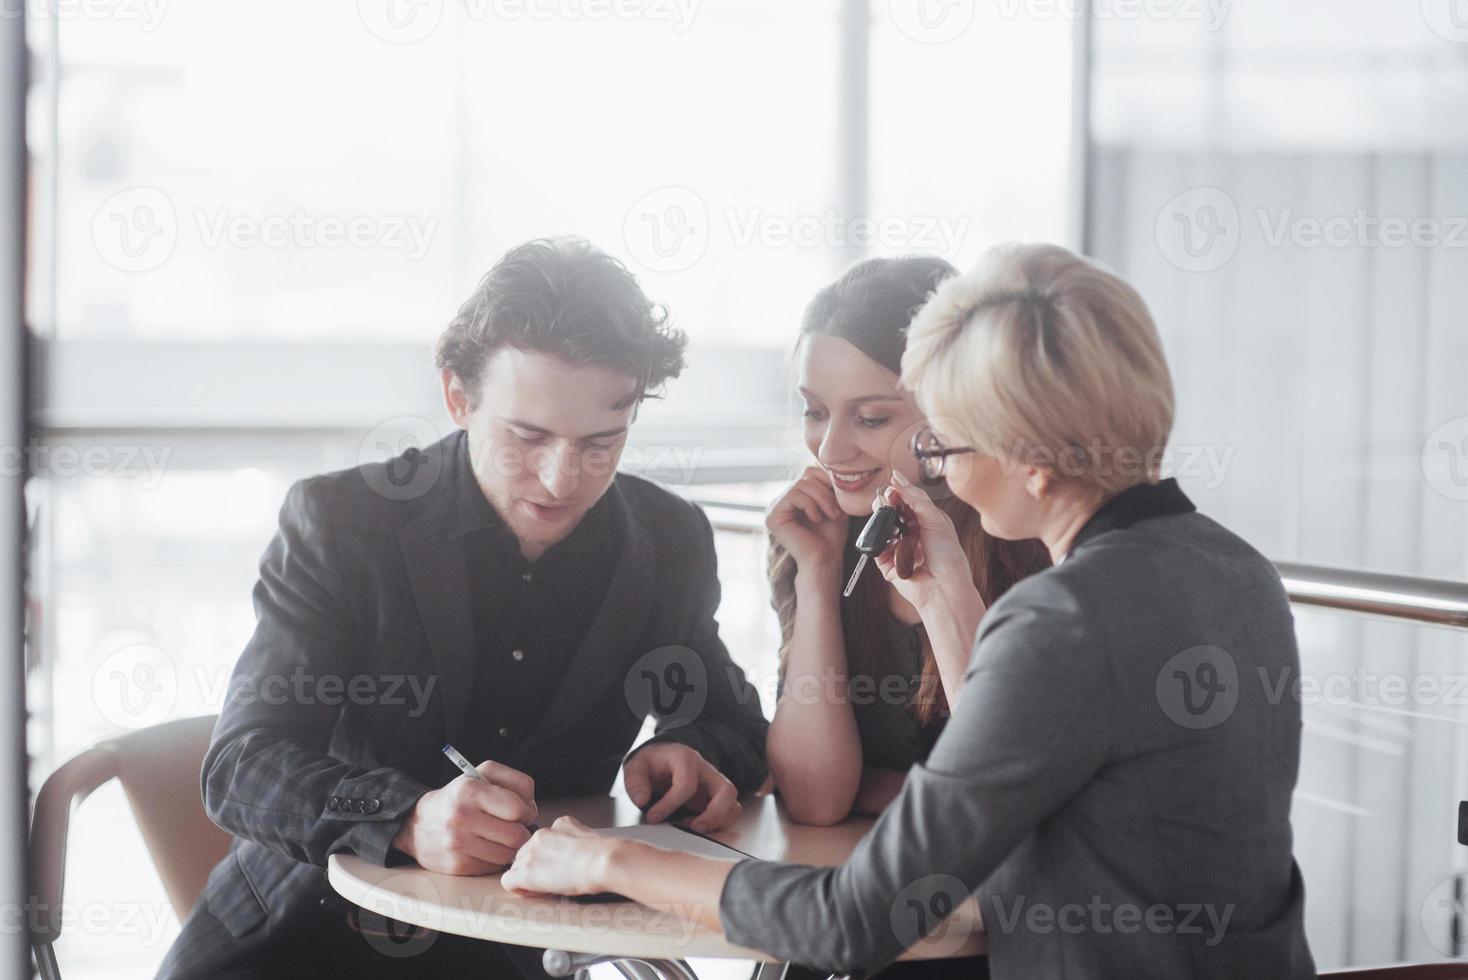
(862, 698)
(1115, 774)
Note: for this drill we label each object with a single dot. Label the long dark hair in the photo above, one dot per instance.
(870, 306)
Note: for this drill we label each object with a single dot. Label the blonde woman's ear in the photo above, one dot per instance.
(1037, 483)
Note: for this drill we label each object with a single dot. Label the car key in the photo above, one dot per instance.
(885, 526)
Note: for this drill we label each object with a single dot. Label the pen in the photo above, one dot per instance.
(457, 758)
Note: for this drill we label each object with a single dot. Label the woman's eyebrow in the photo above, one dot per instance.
(860, 399)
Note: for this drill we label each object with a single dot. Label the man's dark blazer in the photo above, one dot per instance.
(360, 586)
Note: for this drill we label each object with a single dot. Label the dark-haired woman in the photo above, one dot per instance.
(862, 694)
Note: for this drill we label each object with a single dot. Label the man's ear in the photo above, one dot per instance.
(455, 398)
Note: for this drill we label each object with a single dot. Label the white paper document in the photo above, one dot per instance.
(674, 839)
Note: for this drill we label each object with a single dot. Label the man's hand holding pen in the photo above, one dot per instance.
(471, 826)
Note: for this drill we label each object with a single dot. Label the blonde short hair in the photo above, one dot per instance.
(1046, 359)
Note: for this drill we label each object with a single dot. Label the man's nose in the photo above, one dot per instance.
(560, 472)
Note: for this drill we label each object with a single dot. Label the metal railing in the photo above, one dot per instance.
(1420, 600)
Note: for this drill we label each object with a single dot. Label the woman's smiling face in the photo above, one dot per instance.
(858, 424)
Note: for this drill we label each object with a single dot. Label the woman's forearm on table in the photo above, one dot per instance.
(658, 877)
(813, 747)
(879, 787)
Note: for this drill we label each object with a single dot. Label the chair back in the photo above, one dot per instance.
(158, 768)
(159, 771)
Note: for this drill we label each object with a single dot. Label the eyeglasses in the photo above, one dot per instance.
(932, 455)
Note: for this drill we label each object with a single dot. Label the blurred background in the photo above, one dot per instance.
(249, 222)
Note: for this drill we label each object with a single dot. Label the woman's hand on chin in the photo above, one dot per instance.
(568, 858)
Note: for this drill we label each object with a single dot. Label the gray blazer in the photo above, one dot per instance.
(1114, 783)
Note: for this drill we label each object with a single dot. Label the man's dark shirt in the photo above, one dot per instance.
(529, 617)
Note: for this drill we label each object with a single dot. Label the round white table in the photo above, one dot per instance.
(636, 937)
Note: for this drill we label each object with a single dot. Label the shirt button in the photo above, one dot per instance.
(518, 654)
(504, 731)
(525, 576)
